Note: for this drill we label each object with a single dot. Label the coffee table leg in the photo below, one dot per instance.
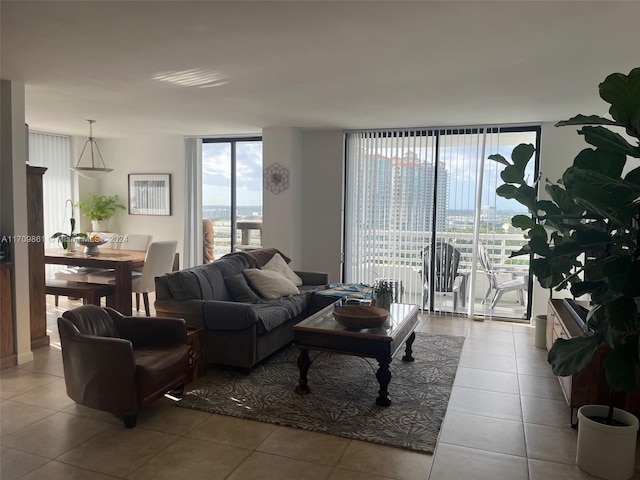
(303, 365)
(384, 378)
(408, 351)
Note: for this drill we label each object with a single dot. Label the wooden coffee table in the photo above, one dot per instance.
(321, 332)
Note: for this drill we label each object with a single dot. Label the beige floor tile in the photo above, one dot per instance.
(14, 463)
(54, 435)
(443, 330)
(14, 381)
(543, 387)
(493, 325)
(52, 395)
(487, 380)
(386, 461)
(525, 335)
(16, 415)
(49, 363)
(551, 443)
(309, 446)
(531, 351)
(483, 433)
(491, 335)
(119, 451)
(86, 412)
(192, 459)
(477, 464)
(59, 471)
(532, 366)
(232, 431)
(541, 470)
(543, 411)
(263, 466)
(485, 403)
(343, 474)
(485, 361)
(485, 346)
(165, 416)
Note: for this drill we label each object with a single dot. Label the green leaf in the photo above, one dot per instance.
(548, 207)
(606, 162)
(588, 120)
(620, 313)
(603, 138)
(499, 158)
(621, 366)
(580, 288)
(521, 155)
(512, 174)
(633, 176)
(523, 222)
(506, 191)
(570, 356)
(623, 93)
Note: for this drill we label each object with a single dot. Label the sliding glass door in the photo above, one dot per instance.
(232, 192)
(421, 208)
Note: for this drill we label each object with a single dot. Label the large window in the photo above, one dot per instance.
(232, 192)
(421, 209)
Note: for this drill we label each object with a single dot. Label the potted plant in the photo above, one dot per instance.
(587, 237)
(68, 240)
(383, 291)
(100, 209)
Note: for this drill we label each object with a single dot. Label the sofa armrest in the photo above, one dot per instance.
(221, 315)
(189, 310)
(314, 278)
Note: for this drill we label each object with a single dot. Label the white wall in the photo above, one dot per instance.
(148, 154)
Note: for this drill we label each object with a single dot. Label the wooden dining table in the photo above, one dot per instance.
(122, 261)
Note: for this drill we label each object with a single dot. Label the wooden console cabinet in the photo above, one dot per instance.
(589, 385)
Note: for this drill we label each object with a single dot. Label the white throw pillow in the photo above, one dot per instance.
(270, 284)
(278, 264)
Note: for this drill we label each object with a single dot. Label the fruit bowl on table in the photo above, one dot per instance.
(357, 317)
(91, 246)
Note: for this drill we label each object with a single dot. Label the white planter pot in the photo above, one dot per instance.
(99, 225)
(603, 450)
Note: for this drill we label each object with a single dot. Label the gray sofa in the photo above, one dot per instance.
(238, 334)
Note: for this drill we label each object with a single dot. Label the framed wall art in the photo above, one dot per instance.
(150, 194)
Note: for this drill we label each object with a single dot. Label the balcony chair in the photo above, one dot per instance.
(518, 285)
(122, 364)
(159, 260)
(445, 277)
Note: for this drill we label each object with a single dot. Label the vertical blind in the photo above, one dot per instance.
(53, 152)
(410, 189)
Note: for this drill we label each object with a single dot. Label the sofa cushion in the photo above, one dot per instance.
(239, 289)
(278, 264)
(272, 313)
(270, 284)
(204, 282)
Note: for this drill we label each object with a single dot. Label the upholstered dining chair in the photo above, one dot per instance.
(122, 364)
(518, 284)
(158, 261)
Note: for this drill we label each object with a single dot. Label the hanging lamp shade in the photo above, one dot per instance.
(92, 170)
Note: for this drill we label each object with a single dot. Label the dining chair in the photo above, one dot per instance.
(158, 261)
(518, 285)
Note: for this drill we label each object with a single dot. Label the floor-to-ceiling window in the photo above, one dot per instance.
(421, 209)
(232, 191)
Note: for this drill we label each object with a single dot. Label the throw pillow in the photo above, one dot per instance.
(278, 264)
(270, 284)
(239, 289)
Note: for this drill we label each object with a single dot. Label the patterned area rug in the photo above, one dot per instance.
(343, 393)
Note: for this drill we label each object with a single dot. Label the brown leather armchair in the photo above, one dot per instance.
(121, 364)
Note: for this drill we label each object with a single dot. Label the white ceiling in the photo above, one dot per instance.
(332, 64)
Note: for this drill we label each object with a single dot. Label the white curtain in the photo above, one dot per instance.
(409, 188)
(193, 240)
(53, 152)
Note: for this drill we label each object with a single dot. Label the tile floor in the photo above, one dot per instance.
(506, 419)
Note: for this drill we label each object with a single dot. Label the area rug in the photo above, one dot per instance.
(343, 393)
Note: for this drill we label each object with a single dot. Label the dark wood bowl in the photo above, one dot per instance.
(356, 317)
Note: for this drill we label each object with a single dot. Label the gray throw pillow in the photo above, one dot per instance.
(239, 289)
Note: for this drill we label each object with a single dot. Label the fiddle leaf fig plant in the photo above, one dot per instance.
(587, 236)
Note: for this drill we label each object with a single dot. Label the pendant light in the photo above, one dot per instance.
(92, 171)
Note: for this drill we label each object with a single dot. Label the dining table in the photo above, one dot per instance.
(121, 261)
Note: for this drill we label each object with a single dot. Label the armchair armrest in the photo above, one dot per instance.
(221, 315)
(149, 331)
(99, 371)
(314, 278)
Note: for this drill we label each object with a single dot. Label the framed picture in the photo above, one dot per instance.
(150, 194)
